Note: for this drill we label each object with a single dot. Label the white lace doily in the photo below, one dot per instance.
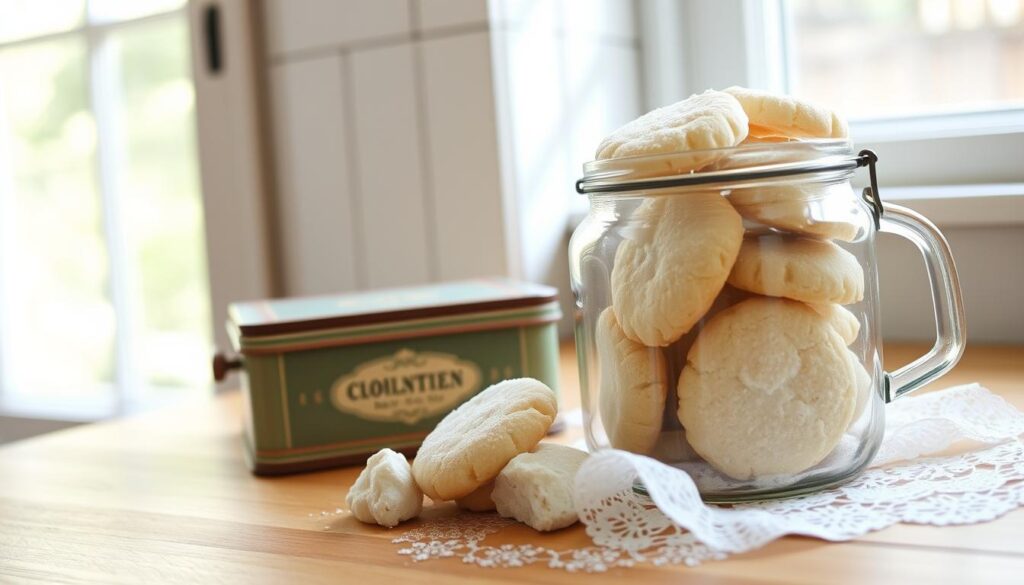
(673, 526)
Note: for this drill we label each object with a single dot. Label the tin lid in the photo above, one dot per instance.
(282, 324)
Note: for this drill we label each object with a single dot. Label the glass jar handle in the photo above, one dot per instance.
(946, 301)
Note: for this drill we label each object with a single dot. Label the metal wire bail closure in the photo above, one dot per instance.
(870, 194)
(865, 158)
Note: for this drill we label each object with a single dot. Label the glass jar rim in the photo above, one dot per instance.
(826, 159)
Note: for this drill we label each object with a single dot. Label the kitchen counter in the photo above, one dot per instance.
(166, 497)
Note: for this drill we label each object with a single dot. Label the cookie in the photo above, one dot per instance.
(672, 446)
(709, 120)
(824, 211)
(768, 139)
(772, 115)
(862, 382)
(802, 269)
(479, 500)
(768, 389)
(841, 319)
(536, 488)
(676, 256)
(385, 492)
(675, 360)
(474, 442)
(632, 389)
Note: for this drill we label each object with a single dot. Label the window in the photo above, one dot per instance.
(104, 299)
(908, 57)
(936, 87)
(932, 86)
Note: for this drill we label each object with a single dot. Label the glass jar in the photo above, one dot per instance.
(727, 314)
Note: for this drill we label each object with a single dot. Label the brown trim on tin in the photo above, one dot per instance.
(353, 443)
(263, 468)
(275, 349)
(257, 330)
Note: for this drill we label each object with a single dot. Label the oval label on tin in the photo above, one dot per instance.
(406, 387)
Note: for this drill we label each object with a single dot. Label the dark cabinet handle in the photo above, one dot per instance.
(211, 35)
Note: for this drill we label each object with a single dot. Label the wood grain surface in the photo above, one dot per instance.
(166, 497)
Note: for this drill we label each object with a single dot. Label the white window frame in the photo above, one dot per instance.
(101, 78)
(744, 42)
(235, 161)
(233, 178)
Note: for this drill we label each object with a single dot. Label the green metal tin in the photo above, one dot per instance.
(331, 380)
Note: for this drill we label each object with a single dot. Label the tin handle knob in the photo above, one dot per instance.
(223, 364)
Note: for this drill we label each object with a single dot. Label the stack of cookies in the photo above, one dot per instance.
(727, 336)
(484, 455)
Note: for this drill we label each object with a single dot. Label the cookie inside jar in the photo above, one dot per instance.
(741, 279)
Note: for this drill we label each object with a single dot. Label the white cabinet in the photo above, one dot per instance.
(426, 140)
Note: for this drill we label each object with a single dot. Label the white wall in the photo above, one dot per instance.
(385, 143)
(991, 268)
(567, 72)
(439, 139)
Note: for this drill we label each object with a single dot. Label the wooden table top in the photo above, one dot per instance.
(166, 497)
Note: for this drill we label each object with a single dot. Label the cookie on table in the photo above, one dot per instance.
(676, 256)
(784, 116)
(385, 492)
(709, 120)
(536, 488)
(823, 211)
(633, 387)
(768, 389)
(473, 443)
(479, 500)
(802, 269)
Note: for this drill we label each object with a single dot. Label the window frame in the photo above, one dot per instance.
(101, 79)
(227, 281)
(746, 42)
(961, 171)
